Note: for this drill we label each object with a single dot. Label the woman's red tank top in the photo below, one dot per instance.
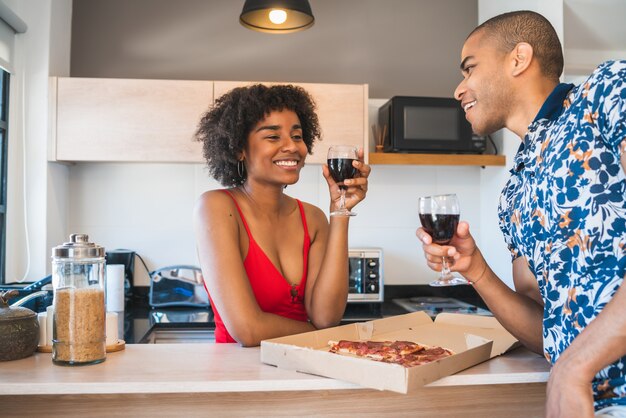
(272, 291)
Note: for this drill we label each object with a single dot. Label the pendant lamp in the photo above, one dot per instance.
(277, 16)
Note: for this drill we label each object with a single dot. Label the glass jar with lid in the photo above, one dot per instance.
(78, 268)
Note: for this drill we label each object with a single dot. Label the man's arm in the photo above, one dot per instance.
(601, 343)
(520, 312)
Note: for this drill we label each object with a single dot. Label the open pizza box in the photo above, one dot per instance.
(472, 338)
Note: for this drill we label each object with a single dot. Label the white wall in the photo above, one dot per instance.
(147, 208)
(37, 190)
(593, 33)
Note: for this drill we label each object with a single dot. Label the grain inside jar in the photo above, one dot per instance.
(79, 326)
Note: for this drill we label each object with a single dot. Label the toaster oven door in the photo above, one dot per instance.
(355, 282)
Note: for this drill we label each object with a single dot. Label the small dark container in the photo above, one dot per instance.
(19, 329)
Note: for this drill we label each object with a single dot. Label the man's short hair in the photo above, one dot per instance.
(509, 29)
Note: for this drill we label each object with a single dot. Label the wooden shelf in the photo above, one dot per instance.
(381, 158)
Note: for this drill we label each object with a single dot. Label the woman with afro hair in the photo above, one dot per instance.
(272, 265)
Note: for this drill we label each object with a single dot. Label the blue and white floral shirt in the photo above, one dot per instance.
(564, 210)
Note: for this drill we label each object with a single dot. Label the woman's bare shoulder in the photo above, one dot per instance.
(315, 216)
(213, 202)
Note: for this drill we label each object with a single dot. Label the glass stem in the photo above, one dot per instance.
(445, 268)
(342, 199)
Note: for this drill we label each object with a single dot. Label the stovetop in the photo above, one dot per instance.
(434, 305)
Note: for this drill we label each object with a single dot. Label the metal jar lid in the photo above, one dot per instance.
(78, 247)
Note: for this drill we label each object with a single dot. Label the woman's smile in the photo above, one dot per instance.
(287, 164)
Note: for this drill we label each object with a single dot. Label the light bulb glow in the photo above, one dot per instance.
(278, 16)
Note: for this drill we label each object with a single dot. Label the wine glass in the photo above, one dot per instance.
(340, 158)
(439, 216)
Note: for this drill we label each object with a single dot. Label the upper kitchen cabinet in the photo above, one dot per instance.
(95, 119)
(341, 108)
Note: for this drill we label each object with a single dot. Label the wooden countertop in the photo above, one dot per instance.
(200, 380)
(185, 368)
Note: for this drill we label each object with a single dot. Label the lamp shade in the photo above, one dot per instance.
(277, 16)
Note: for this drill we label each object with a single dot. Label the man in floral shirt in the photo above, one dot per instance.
(562, 212)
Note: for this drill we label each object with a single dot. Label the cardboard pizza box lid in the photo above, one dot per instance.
(485, 326)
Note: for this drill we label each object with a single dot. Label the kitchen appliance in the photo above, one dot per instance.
(427, 124)
(366, 282)
(37, 296)
(434, 305)
(179, 285)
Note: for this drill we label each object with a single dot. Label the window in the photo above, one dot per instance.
(4, 106)
(11, 69)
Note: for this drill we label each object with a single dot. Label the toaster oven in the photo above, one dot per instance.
(365, 275)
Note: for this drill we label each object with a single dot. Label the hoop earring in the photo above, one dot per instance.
(241, 168)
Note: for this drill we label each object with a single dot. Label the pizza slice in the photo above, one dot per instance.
(428, 355)
(375, 349)
(405, 353)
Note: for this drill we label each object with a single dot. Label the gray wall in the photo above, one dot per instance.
(398, 47)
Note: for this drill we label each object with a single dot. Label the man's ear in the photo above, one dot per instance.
(521, 57)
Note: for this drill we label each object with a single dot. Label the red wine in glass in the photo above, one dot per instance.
(440, 227)
(439, 216)
(340, 159)
(341, 169)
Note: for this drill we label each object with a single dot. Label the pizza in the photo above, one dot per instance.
(404, 353)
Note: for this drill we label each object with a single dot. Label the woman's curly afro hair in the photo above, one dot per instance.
(224, 129)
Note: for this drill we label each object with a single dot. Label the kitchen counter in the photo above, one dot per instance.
(226, 379)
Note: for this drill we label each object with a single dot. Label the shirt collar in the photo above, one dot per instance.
(553, 106)
(550, 110)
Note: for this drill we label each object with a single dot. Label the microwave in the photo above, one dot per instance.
(427, 124)
(365, 281)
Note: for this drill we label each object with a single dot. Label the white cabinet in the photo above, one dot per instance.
(95, 119)
(128, 120)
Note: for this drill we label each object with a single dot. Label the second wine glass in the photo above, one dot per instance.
(340, 159)
(439, 216)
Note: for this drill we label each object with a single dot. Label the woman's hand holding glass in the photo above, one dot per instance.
(347, 185)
